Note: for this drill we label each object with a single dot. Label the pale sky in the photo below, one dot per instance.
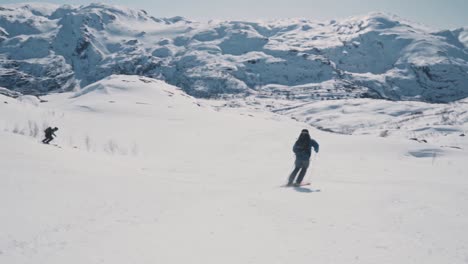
(442, 14)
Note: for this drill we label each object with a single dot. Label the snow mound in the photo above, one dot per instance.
(129, 86)
(29, 99)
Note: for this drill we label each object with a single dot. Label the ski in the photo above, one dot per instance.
(295, 185)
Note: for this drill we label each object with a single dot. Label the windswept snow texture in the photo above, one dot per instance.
(47, 47)
(147, 174)
(443, 124)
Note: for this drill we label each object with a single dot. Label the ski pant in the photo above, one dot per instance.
(47, 139)
(301, 165)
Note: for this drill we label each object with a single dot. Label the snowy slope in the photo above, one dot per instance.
(147, 174)
(377, 55)
(443, 124)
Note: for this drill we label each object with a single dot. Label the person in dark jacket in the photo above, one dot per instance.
(49, 134)
(303, 150)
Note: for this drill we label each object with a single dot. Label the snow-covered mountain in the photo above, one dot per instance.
(141, 172)
(53, 48)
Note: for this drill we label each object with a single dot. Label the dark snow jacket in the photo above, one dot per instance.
(49, 132)
(303, 150)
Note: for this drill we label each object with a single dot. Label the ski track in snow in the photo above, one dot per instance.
(179, 180)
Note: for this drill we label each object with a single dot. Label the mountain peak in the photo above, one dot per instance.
(35, 8)
(377, 54)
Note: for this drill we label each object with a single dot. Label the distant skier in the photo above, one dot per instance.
(303, 150)
(49, 134)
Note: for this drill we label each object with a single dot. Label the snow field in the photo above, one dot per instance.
(204, 186)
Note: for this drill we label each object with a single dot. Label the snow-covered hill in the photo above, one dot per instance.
(147, 174)
(442, 124)
(48, 47)
(385, 118)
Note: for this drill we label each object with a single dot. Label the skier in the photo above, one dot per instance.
(49, 134)
(303, 150)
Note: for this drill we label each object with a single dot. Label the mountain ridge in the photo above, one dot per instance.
(59, 48)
